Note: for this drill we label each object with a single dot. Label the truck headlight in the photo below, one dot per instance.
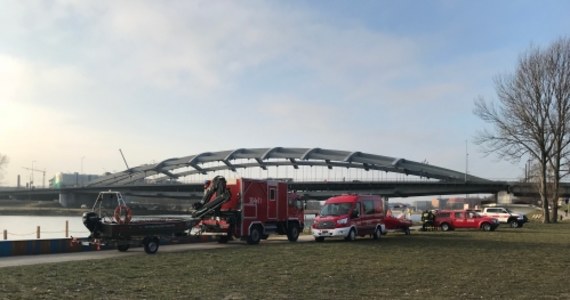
(342, 221)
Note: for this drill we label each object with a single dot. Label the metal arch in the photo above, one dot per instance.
(351, 155)
(307, 154)
(278, 156)
(267, 153)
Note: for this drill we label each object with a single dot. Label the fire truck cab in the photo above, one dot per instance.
(348, 216)
(253, 209)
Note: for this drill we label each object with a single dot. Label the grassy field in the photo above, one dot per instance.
(528, 263)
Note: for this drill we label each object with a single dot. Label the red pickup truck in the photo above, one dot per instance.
(456, 219)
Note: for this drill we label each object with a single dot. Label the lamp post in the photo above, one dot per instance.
(32, 175)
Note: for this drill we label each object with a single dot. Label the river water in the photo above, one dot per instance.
(26, 227)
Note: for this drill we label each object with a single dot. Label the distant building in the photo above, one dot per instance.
(457, 203)
(422, 205)
(439, 203)
(62, 180)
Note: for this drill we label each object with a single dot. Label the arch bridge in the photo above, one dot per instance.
(236, 160)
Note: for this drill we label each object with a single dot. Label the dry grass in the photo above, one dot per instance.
(527, 263)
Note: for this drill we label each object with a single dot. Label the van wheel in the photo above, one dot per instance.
(320, 239)
(254, 236)
(351, 235)
(445, 227)
(377, 233)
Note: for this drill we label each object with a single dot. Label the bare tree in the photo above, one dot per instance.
(558, 74)
(532, 116)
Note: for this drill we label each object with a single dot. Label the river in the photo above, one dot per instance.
(25, 227)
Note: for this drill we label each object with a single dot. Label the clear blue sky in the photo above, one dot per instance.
(160, 79)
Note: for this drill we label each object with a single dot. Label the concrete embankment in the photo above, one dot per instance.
(52, 246)
(33, 247)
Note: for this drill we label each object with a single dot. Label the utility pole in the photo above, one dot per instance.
(466, 161)
(32, 175)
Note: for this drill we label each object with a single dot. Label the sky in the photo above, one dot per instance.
(80, 80)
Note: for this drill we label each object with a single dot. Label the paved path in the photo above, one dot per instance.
(23, 260)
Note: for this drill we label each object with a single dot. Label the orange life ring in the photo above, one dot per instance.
(119, 218)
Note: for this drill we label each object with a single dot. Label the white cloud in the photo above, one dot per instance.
(168, 79)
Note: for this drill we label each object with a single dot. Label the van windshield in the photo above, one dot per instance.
(335, 209)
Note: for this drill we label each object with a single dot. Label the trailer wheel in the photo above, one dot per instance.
(254, 235)
(292, 232)
(123, 247)
(151, 245)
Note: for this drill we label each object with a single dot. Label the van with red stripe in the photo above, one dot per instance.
(349, 216)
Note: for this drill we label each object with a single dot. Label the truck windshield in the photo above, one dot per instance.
(335, 209)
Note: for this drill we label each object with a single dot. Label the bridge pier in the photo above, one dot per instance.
(66, 199)
(504, 197)
(75, 200)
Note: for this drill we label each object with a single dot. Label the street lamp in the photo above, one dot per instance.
(32, 175)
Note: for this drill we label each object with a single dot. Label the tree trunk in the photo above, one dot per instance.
(544, 191)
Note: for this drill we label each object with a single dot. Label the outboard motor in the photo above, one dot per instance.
(92, 221)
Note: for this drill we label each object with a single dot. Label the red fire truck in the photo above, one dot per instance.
(249, 209)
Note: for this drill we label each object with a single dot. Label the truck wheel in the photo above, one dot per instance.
(514, 224)
(123, 247)
(320, 239)
(377, 233)
(254, 235)
(351, 235)
(486, 227)
(292, 232)
(151, 245)
(445, 227)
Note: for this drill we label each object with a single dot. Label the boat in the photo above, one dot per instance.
(111, 222)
